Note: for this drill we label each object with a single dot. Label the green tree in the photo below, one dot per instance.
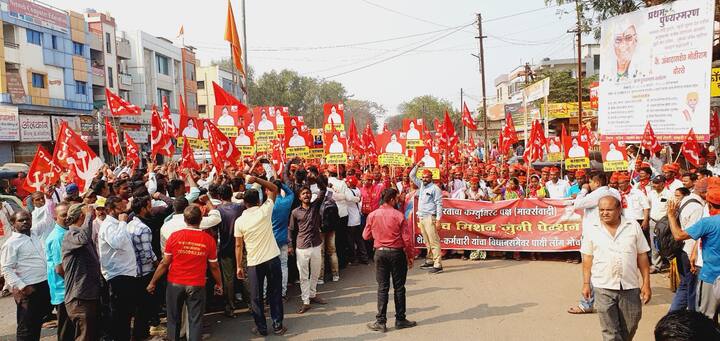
(363, 112)
(563, 87)
(427, 107)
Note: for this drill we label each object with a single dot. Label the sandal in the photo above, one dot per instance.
(577, 310)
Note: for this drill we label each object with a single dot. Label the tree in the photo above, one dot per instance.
(563, 87)
(364, 112)
(427, 107)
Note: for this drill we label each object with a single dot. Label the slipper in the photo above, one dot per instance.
(577, 310)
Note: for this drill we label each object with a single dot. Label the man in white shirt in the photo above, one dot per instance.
(339, 191)
(670, 172)
(357, 243)
(253, 229)
(557, 188)
(177, 220)
(119, 267)
(659, 197)
(24, 268)
(635, 204)
(588, 200)
(614, 257)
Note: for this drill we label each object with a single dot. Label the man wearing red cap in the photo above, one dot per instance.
(635, 204)
(429, 212)
(670, 171)
(643, 183)
(557, 188)
(706, 229)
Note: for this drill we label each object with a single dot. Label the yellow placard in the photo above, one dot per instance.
(336, 158)
(435, 172)
(196, 144)
(555, 157)
(297, 151)
(715, 82)
(229, 131)
(577, 163)
(246, 150)
(329, 127)
(265, 134)
(317, 153)
(392, 159)
(614, 166)
(414, 143)
(565, 109)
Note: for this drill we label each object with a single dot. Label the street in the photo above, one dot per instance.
(489, 300)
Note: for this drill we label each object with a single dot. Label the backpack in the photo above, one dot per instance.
(329, 214)
(668, 247)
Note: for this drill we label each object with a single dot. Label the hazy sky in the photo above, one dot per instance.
(295, 35)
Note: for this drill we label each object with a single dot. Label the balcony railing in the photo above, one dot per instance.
(12, 45)
(125, 79)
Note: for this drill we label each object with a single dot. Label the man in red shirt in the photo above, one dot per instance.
(187, 254)
(18, 184)
(394, 254)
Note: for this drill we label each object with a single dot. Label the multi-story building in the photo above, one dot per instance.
(205, 94)
(45, 75)
(189, 90)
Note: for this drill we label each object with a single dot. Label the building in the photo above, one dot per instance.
(45, 75)
(158, 69)
(206, 96)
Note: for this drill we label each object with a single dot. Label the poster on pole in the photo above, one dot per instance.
(392, 149)
(614, 155)
(334, 117)
(414, 131)
(430, 160)
(656, 67)
(297, 137)
(335, 148)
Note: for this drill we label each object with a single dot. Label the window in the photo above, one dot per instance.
(163, 64)
(201, 108)
(80, 88)
(38, 81)
(34, 37)
(201, 85)
(108, 43)
(110, 77)
(160, 94)
(78, 48)
(189, 71)
(53, 40)
(191, 102)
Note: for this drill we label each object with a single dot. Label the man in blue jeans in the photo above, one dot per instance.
(254, 231)
(280, 221)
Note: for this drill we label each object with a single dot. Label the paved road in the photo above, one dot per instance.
(493, 300)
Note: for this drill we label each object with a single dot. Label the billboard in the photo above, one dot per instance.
(656, 66)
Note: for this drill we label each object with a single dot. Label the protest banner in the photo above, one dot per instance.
(554, 153)
(228, 117)
(537, 225)
(576, 153)
(430, 161)
(191, 130)
(335, 149)
(414, 131)
(656, 65)
(334, 115)
(279, 113)
(614, 156)
(297, 137)
(245, 142)
(392, 149)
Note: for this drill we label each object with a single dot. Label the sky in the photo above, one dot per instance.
(425, 46)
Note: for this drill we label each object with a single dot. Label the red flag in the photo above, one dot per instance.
(118, 106)
(691, 149)
(586, 136)
(508, 135)
(72, 153)
(181, 105)
(132, 151)
(467, 119)
(221, 148)
(188, 158)
(222, 97)
(385, 128)
(278, 155)
(113, 141)
(368, 141)
(535, 143)
(649, 141)
(449, 131)
(168, 125)
(159, 140)
(714, 125)
(43, 171)
(563, 137)
(353, 138)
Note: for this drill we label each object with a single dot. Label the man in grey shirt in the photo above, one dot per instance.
(82, 274)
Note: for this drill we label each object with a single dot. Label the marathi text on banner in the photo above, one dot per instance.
(577, 163)
(655, 68)
(510, 225)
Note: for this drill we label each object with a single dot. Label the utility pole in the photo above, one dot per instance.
(245, 95)
(481, 58)
(578, 32)
(462, 101)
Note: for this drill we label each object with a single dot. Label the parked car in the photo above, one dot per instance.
(11, 170)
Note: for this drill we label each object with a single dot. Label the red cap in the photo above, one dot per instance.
(351, 180)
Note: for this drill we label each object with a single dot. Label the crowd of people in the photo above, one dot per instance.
(141, 242)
